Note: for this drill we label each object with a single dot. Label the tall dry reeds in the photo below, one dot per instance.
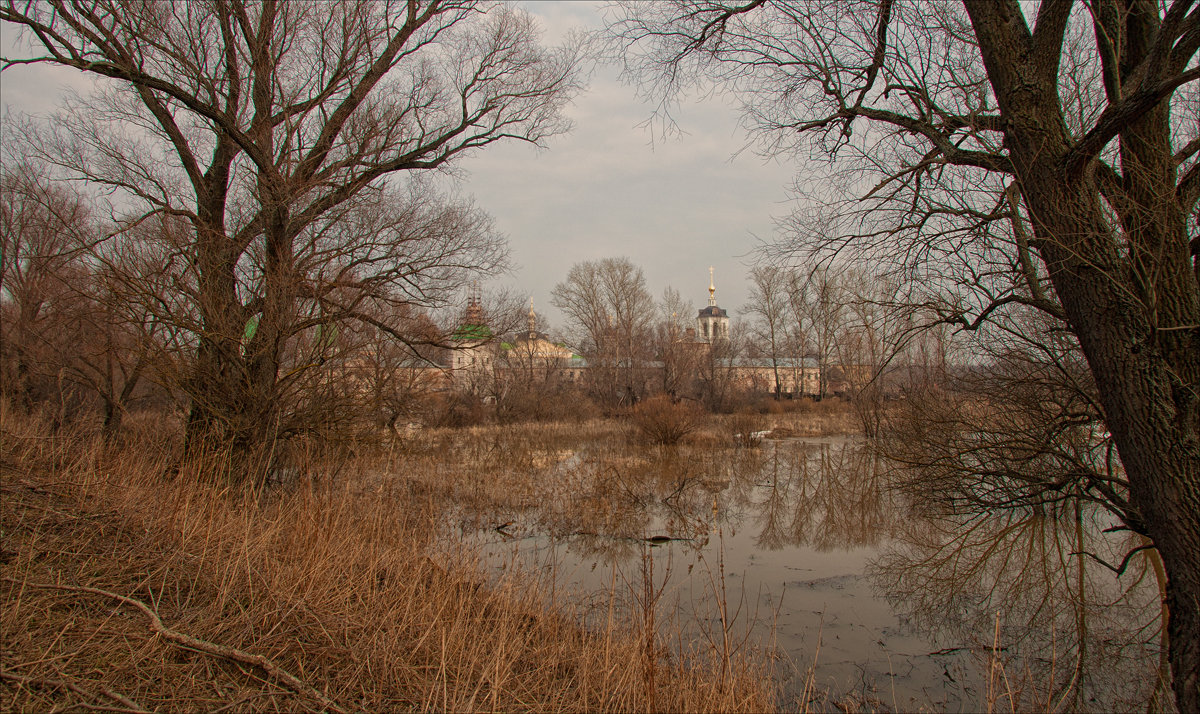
(127, 583)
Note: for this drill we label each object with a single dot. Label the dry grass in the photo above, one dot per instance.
(332, 595)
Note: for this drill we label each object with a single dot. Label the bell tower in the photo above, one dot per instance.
(712, 323)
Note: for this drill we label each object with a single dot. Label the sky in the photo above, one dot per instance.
(612, 187)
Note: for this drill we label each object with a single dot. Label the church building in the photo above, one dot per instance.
(487, 364)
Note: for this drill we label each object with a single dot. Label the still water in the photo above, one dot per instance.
(812, 556)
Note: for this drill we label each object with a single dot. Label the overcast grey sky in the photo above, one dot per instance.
(610, 188)
(613, 188)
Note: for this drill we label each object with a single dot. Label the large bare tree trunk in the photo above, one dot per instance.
(1133, 307)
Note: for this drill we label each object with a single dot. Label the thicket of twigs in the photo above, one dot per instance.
(662, 420)
(130, 582)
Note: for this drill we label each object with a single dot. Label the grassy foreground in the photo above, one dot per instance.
(129, 582)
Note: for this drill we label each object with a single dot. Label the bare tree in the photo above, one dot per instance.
(42, 231)
(68, 338)
(371, 377)
(118, 350)
(1046, 161)
(271, 129)
(613, 312)
(818, 301)
(769, 305)
(675, 346)
(875, 345)
(533, 371)
(716, 383)
(675, 310)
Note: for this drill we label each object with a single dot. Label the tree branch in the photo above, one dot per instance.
(718, 24)
(885, 16)
(1048, 34)
(1119, 115)
(185, 641)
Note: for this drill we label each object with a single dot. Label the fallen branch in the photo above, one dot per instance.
(186, 641)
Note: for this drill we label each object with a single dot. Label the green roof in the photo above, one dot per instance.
(472, 332)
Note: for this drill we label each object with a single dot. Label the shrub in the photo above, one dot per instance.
(660, 420)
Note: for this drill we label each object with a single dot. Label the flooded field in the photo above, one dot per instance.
(800, 547)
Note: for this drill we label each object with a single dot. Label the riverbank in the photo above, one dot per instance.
(130, 582)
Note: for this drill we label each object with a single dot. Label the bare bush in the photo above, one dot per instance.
(660, 420)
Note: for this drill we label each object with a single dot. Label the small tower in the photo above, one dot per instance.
(474, 313)
(471, 337)
(532, 321)
(712, 324)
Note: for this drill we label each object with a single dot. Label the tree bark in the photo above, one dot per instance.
(1135, 312)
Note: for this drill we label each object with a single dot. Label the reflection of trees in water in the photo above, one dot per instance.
(1012, 480)
(1071, 631)
(826, 495)
(823, 495)
(610, 499)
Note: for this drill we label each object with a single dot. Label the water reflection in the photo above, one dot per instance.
(827, 495)
(895, 606)
(1015, 586)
